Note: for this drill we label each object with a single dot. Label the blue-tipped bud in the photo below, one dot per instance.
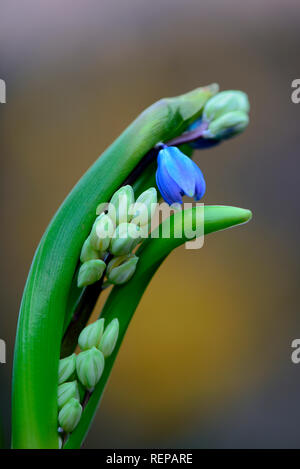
(144, 207)
(69, 415)
(109, 338)
(177, 175)
(67, 391)
(120, 204)
(89, 367)
(91, 335)
(224, 102)
(228, 125)
(66, 368)
(90, 272)
(125, 239)
(121, 269)
(88, 253)
(102, 232)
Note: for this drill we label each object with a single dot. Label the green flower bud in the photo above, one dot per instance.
(227, 125)
(67, 391)
(88, 252)
(144, 207)
(125, 239)
(120, 204)
(66, 368)
(91, 335)
(121, 269)
(69, 415)
(109, 338)
(89, 367)
(102, 232)
(224, 102)
(90, 272)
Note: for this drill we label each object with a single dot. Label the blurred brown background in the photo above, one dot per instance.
(206, 362)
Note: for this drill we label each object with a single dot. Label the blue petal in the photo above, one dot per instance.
(180, 169)
(168, 188)
(200, 183)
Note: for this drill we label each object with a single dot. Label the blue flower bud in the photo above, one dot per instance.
(67, 391)
(89, 367)
(91, 335)
(109, 338)
(120, 204)
(177, 175)
(125, 239)
(69, 415)
(121, 269)
(90, 272)
(66, 368)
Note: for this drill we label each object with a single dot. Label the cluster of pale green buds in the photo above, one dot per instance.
(81, 372)
(119, 227)
(226, 114)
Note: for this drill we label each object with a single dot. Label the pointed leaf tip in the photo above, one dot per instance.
(220, 217)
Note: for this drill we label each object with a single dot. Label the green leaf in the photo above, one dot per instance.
(123, 300)
(45, 298)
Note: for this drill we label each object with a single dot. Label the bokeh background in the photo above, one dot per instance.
(206, 362)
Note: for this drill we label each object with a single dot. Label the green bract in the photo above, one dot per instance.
(90, 272)
(91, 335)
(226, 114)
(224, 102)
(228, 125)
(89, 367)
(119, 205)
(125, 239)
(102, 232)
(88, 253)
(66, 368)
(69, 415)
(67, 391)
(121, 269)
(109, 338)
(144, 207)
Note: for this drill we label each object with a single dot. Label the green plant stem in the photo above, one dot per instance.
(45, 298)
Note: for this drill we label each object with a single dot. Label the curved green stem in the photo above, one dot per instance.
(45, 298)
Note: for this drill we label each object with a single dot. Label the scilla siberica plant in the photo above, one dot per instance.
(90, 245)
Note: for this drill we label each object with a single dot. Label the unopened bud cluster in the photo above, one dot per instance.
(81, 372)
(115, 233)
